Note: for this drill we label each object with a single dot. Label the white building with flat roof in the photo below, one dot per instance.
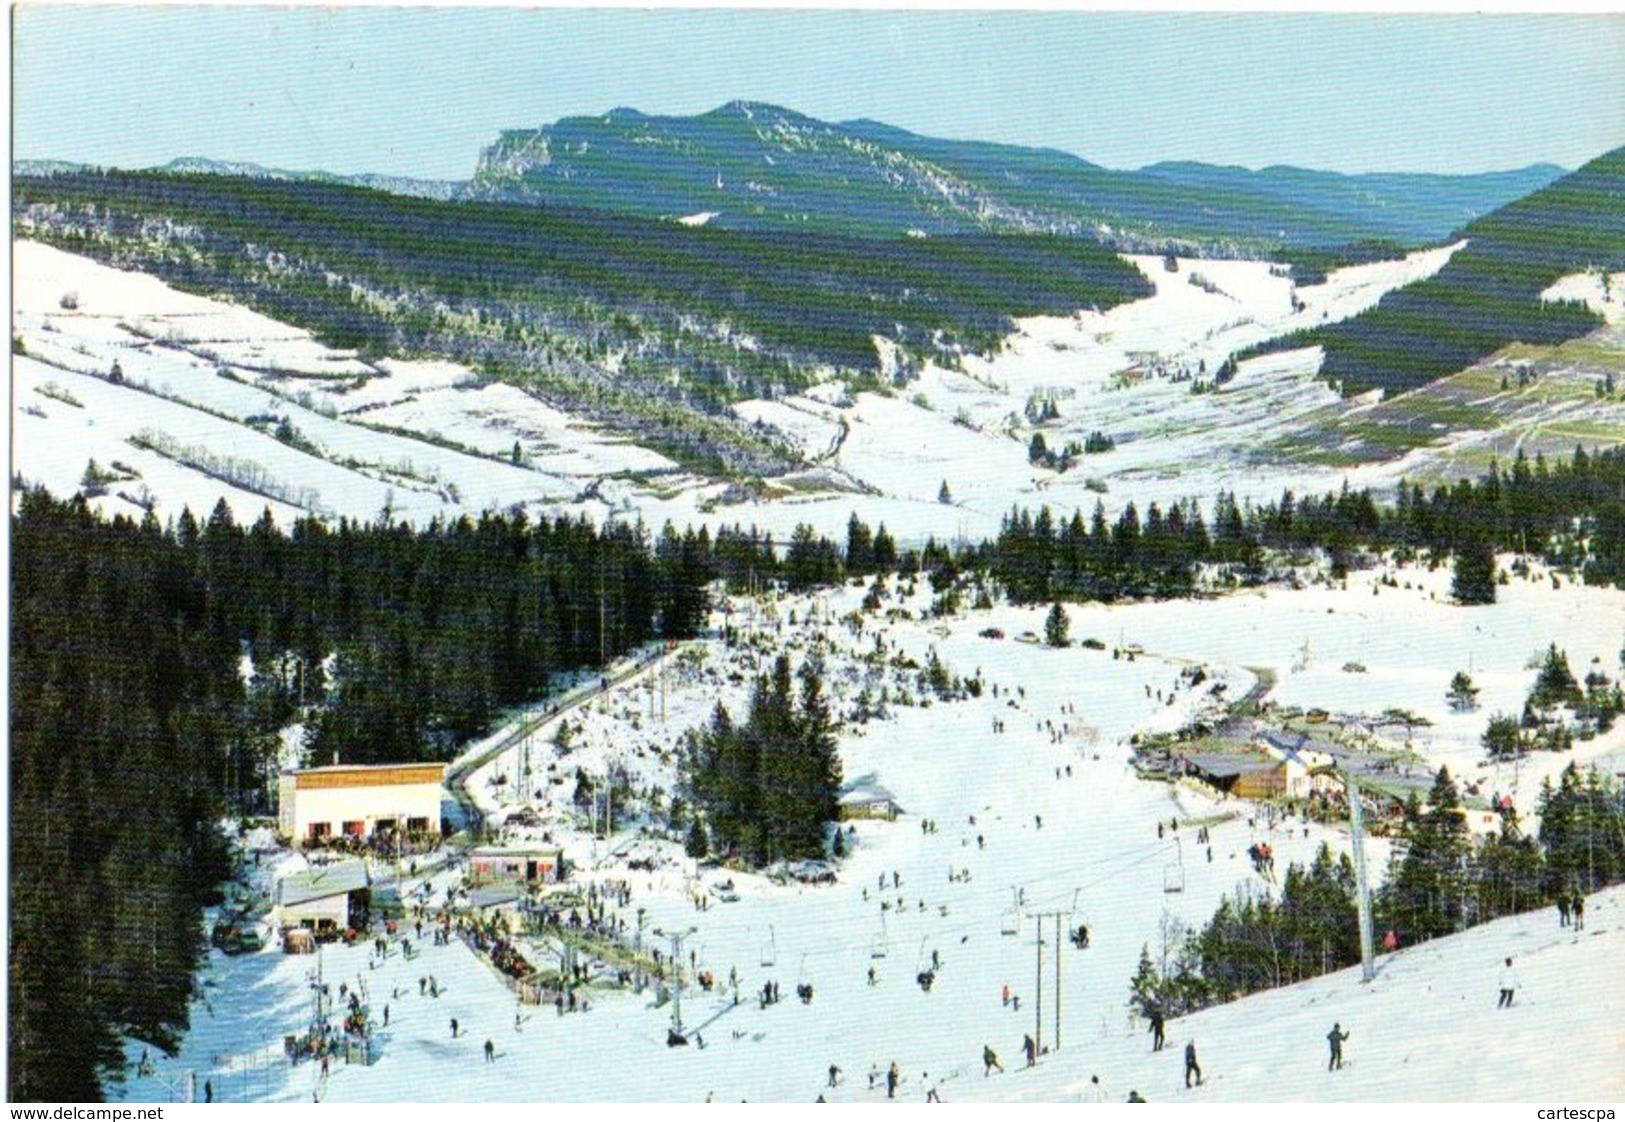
(356, 801)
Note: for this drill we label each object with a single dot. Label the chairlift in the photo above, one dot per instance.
(1010, 920)
(770, 949)
(878, 948)
(1173, 874)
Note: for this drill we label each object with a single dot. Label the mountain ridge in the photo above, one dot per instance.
(757, 165)
(754, 165)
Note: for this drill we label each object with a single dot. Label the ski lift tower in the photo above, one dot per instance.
(1368, 968)
(675, 1037)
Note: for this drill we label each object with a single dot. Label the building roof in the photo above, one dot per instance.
(1229, 765)
(323, 882)
(368, 775)
(538, 849)
(859, 796)
(492, 895)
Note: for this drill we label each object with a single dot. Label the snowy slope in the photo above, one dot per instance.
(423, 439)
(1125, 372)
(1097, 853)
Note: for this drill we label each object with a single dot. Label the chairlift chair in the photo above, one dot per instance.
(770, 948)
(1010, 920)
(878, 948)
(1173, 874)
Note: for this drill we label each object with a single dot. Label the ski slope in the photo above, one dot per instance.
(1064, 824)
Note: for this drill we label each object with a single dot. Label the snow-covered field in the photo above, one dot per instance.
(201, 381)
(1046, 812)
(428, 439)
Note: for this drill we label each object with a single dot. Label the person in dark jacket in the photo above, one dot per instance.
(1135, 1097)
(1335, 1038)
(1191, 1066)
(1157, 1039)
(892, 1079)
(1578, 907)
(1030, 1049)
(990, 1060)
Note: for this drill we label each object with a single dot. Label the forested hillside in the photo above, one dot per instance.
(1489, 293)
(135, 724)
(647, 324)
(749, 165)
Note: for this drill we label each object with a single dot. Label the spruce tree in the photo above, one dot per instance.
(1057, 626)
(1473, 579)
(1463, 695)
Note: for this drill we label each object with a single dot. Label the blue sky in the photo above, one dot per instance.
(417, 91)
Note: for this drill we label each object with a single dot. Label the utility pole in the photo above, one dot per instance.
(1368, 969)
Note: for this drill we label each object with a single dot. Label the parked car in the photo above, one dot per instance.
(991, 633)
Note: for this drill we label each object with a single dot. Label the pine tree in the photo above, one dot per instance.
(1145, 988)
(698, 845)
(1463, 695)
(1057, 626)
(1473, 580)
(945, 496)
(1555, 685)
(1503, 738)
(1428, 894)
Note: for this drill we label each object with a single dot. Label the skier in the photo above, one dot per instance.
(1191, 1066)
(834, 1074)
(490, 1052)
(208, 1090)
(386, 1016)
(1335, 1038)
(1509, 984)
(1134, 1097)
(892, 1079)
(454, 1028)
(1157, 1039)
(1030, 1049)
(1562, 909)
(1390, 941)
(1097, 1093)
(1578, 907)
(990, 1060)
(872, 978)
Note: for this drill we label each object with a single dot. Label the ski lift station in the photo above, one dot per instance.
(355, 802)
(326, 899)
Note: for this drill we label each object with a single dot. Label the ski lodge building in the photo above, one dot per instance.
(354, 801)
(865, 798)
